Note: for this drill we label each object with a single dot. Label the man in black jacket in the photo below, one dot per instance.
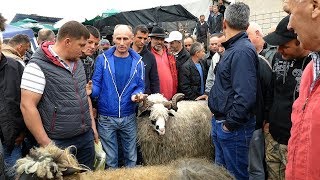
(11, 120)
(232, 99)
(202, 29)
(256, 148)
(215, 20)
(140, 38)
(177, 49)
(287, 67)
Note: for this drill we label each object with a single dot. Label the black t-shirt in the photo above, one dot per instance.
(286, 76)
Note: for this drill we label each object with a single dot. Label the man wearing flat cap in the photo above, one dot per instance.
(287, 67)
(166, 63)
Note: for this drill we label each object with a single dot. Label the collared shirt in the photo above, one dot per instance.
(316, 64)
(64, 64)
(165, 76)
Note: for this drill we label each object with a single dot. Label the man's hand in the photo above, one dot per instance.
(20, 138)
(95, 134)
(138, 97)
(44, 142)
(202, 97)
(89, 88)
(266, 127)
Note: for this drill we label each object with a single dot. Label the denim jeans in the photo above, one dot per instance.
(256, 156)
(232, 147)
(126, 127)
(84, 144)
(10, 159)
(2, 175)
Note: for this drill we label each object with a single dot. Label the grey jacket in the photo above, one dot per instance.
(64, 107)
(211, 75)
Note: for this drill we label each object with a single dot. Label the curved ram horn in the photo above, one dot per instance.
(145, 106)
(175, 99)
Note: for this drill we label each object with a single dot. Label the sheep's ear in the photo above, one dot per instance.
(145, 113)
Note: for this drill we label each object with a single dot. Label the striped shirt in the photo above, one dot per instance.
(33, 78)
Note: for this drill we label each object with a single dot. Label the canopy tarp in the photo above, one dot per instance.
(33, 24)
(91, 21)
(109, 12)
(151, 16)
(11, 31)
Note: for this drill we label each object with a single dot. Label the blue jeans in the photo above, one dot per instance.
(10, 159)
(126, 127)
(84, 144)
(232, 147)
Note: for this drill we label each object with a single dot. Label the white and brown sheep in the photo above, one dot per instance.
(169, 130)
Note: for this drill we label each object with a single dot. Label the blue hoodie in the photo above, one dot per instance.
(111, 102)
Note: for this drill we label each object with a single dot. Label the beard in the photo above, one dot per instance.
(158, 47)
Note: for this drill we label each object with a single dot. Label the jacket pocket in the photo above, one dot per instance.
(222, 102)
(53, 120)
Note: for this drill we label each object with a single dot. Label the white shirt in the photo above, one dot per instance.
(33, 78)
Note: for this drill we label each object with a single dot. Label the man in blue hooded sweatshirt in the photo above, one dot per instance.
(118, 82)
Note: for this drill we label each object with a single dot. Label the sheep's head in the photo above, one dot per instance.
(158, 108)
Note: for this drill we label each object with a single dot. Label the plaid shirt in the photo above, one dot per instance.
(316, 64)
(316, 67)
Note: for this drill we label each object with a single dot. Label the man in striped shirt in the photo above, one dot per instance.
(54, 102)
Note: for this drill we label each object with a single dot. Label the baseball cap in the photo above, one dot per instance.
(174, 36)
(281, 35)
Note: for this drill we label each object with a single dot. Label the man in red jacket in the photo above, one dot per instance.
(166, 63)
(304, 146)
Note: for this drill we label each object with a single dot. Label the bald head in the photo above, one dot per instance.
(45, 35)
(255, 35)
(122, 38)
(123, 29)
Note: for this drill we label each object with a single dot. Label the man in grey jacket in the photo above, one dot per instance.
(216, 47)
(54, 102)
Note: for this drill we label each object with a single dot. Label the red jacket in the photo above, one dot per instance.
(304, 143)
(174, 74)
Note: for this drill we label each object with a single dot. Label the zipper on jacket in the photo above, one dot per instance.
(305, 103)
(135, 70)
(54, 117)
(80, 101)
(115, 85)
(113, 81)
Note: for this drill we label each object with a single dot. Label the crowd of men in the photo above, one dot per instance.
(78, 89)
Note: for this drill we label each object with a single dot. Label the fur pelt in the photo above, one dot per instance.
(48, 162)
(183, 169)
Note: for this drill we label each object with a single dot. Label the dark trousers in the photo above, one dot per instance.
(84, 144)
